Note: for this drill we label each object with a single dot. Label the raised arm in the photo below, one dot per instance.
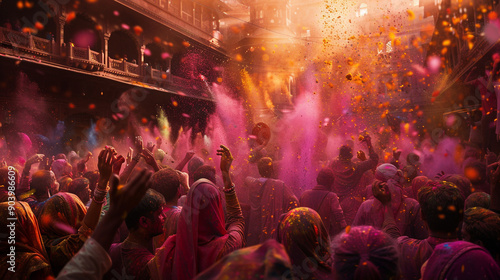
(189, 155)
(24, 185)
(93, 261)
(135, 159)
(235, 222)
(150, 159)
(105, 163)
(373, 157)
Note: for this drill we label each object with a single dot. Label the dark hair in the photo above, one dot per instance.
(265, 166)
(150, 203)
(345, 152)
(93, 177)
(478, 199)
(41, 182)
(166, 181)
(365, 253)
(81, 166)
(77, 186)
(483, 225)
(205, 172)
(325, 177)
(442, 206)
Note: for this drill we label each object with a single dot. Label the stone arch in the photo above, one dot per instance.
(83, 31)
(122, 44)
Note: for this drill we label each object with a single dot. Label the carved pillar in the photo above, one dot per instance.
(141, 57)
(106, 48)
(61, 21)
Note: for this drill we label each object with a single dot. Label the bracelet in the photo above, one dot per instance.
(136, 158)
(102, 201)
(231, 189)
(99, 192)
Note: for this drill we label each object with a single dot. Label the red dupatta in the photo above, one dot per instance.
(201, 236)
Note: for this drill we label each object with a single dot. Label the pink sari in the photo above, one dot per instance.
(200, 238)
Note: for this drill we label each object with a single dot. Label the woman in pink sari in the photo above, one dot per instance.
(202, 236)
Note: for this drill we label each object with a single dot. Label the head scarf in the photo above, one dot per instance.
(417, 183)
(61, 215)
(387, 171)
(365, 253)
(302, 233)
(393, 177)
(201, 236)
(30, 252)
(61, 168)
(268, 260)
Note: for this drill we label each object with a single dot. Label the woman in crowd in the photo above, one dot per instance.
(30, 258)
(306, 241)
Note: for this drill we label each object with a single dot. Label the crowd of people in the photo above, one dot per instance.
(134, 218)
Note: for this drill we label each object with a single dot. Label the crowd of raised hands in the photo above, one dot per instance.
(75, 220)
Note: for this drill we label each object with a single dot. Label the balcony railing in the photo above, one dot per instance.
(90, 60)
(85, 54)
(25, 40)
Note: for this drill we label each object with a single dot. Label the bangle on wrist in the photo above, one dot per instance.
(230, 189)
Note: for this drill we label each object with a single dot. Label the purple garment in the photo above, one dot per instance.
(326, 203)
(269, 199)
(347, 183)
(460, 260)
(406, 215)
(414, 253)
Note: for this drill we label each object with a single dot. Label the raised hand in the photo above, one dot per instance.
(150, 146)
(45, 164)
(226, 159)
(361, 155)
(117, 164)
(105, 164)
(129, 155)
(138, 145)
(124, 198)
(396, 153)
(34, 159)
(150, 159)
(381, 192)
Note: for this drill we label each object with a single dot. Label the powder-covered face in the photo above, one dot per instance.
(155, 223)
